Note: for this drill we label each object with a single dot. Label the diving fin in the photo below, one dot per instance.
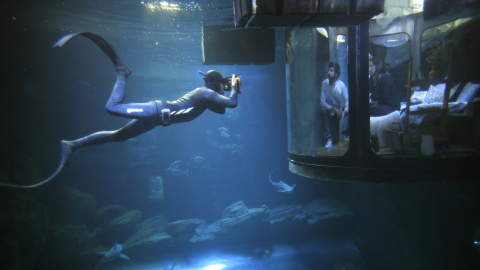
(102, 43)
(120, 66)
(66, 152)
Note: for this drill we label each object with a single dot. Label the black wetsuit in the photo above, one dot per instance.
(149, 115)
(197, 101)
(145, 115)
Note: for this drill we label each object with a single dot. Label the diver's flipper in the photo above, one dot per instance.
(66, 151)
(102, 43)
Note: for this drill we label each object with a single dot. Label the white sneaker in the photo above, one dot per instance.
(328, 145)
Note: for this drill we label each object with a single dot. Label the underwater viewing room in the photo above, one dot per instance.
(240, 134)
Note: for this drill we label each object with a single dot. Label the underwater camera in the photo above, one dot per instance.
(227, 81)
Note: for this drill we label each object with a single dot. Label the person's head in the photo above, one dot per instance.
(378, 66)
(371, 68)
(435, 77)
(333, 71)
(214, 80)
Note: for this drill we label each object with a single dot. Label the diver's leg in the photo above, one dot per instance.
(114, 105)
(130, 110)
(130, 130)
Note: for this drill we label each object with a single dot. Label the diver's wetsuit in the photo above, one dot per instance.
(199, 99)
(145, 115)
(149, 115)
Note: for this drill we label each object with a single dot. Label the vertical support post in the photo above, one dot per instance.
(359, 90)
(332, 43)
(409, 93)
(415, 43)
(353, 89)
(406, 136)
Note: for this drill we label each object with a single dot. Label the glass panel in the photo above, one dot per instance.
(442, 107)
(440, 115)
(318, 102)
(301, 89)
(389, 65)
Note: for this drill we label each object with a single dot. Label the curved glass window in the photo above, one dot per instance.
(443, 106)
(389, 57)
(317, 91)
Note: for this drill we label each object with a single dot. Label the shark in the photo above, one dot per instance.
(224, 132)
(281, 186)
(114, 253)
(176, 168)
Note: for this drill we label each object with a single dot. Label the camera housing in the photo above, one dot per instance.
(227, 81)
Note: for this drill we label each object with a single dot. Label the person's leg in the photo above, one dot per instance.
(326, 125)
(115, 106)
(130, 130)
(346, 127)
(334, 128)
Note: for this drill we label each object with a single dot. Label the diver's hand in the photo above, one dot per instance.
(235, 84)
(234, 81)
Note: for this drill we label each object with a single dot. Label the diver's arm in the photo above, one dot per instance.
(345, 96)
(234, 91)
(229, 102)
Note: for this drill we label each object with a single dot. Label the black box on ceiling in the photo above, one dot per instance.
(226, 45)
(314, 13)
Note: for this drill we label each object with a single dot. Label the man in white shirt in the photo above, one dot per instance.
(334, 104)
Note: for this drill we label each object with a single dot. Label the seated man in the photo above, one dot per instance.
(334, 104)
(383, 95)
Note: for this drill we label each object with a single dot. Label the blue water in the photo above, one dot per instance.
(51, 94)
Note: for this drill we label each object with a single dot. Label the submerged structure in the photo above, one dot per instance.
(432, 132)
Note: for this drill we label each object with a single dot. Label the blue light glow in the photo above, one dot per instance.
(215, 267)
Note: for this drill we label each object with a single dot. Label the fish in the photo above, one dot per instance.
(175, 169)
(175, 165)
(281, 186)
(224, 132)
(114, 253)
(198, 160)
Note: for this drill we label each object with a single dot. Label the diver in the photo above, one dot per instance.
(148, 115)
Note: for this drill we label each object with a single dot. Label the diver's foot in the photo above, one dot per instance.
(67, 149)
(123, 70)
